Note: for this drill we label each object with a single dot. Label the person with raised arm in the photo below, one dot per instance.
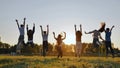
(108, 33)
(59, 40)
(30, 33)
(45, 39)
(78, 47)
(21, 36)
(97, 35)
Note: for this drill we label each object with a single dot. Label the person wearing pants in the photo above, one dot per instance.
(78, 47)
(96, 35)
(21, 36)
(45, 40)
(30, 33)
(108, 32)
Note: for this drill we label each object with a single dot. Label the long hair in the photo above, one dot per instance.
(102, 28)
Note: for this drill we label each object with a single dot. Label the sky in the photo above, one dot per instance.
(60, 15)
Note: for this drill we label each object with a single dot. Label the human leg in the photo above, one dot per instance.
(44, 48)
(107, 46)
(44, 53)
(111, 49)
(80, 51)
(61, 52)
(18, 47)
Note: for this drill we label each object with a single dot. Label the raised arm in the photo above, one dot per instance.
(47, 29)
(33, 27)
(81, 28)
(112, 28)
(89, 32)
(24, 22)
(54, 35)
(75, 28)
(27, 27)
(17, 23)
(64, 37)
(41, 29)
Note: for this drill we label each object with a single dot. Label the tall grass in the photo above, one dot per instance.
(53, 62)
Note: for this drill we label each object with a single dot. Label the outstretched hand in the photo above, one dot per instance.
(24, 19)
(47, 25)
(113, 26)
(85, 32)
(40, 26)
(54, 33)
(74, 25)
(64, 32)
(33, 24)
(27, 25)
(80, 25)
(16, 20)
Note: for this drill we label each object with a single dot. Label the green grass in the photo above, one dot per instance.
(53, 62)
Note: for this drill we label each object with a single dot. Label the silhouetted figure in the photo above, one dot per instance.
(97, 35)
(30, 33)
(59, 44)
(78, 47)
(45, 40)
(108, 32)
(21, 37)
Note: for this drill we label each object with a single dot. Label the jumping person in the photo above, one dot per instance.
(97, 35)
(59, 44)
(108, 32)
(78, 47)
(30, 33)
(45, 40)
(21, 37)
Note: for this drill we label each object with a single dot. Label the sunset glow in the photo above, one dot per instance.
(60, 15)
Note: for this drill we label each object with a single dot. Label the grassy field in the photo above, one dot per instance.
(53, 62)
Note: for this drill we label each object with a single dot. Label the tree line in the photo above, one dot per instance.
(68, 50)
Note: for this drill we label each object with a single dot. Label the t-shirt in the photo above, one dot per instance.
(21, 30)
(107, 36)
(45, 37)
(30, 34)
(96, 34)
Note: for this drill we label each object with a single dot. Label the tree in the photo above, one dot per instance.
(4, 48)
(50, 49)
